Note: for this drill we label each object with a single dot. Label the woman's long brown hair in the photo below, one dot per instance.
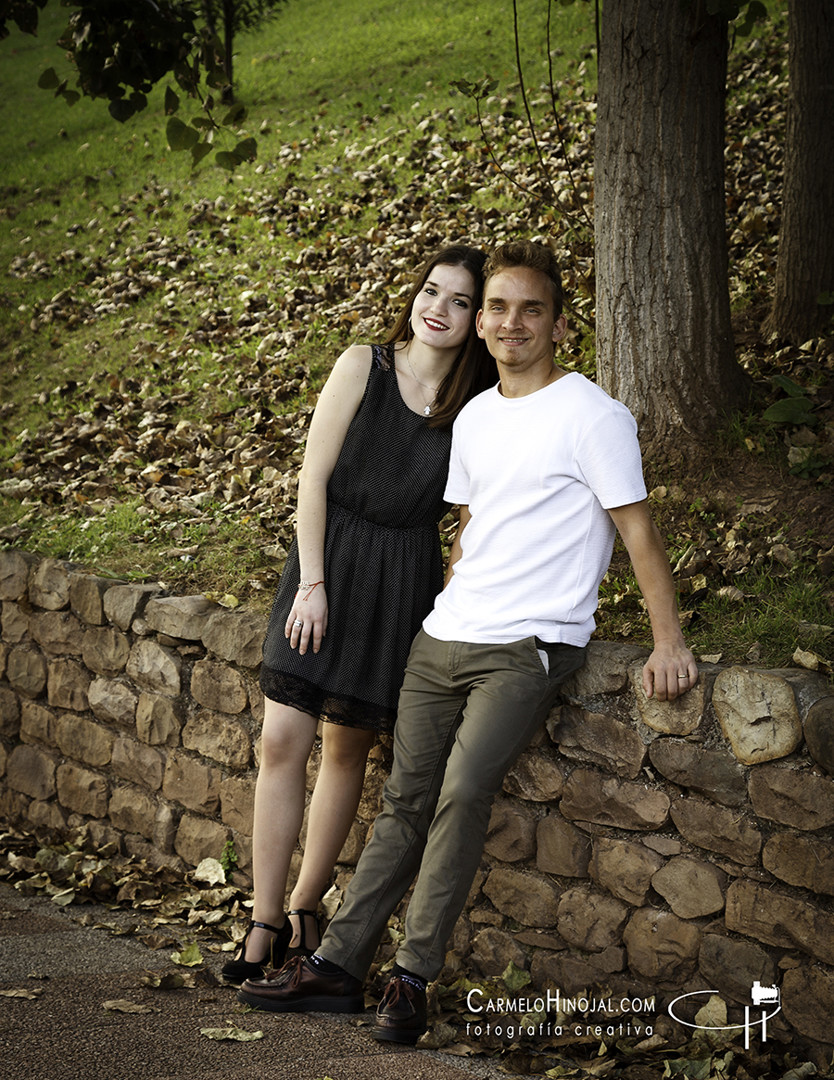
(473, 369)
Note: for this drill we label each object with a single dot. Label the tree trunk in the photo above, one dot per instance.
(805, 264)
(664, 336)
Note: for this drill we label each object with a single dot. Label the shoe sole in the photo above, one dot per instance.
(319, 1003)
(382, 1034)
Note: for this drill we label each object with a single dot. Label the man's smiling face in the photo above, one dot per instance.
(517, 320)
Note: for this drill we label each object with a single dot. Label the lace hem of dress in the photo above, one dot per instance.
(324, 705)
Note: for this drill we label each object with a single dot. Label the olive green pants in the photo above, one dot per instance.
(465, 714)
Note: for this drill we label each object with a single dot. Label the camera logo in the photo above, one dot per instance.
(762, 998)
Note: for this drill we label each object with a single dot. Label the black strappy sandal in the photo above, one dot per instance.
(303, 949)
(239, 968)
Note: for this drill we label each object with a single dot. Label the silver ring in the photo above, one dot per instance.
(683, 676)
(298, 622)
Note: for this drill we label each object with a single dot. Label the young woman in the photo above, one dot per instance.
(360, 577)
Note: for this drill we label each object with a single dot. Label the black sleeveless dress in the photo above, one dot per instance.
(382, 563)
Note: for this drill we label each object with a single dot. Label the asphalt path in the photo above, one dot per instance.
(80, 1006)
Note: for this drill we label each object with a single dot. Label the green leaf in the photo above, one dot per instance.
(190, 956)
(515, 977)
(792, 410)
(172, 101)
(121, 109)
(788, 385)
(226, 159)
(49, 79)
(246, 150)
(235, 115)
(181, 136)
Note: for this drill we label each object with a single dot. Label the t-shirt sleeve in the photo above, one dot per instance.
(609, 456)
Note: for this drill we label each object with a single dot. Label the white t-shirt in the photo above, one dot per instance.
(537, 473)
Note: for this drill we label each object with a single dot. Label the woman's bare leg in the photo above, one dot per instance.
(288, 736)
(332, 811)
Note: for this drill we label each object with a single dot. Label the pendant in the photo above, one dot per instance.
(427, 411)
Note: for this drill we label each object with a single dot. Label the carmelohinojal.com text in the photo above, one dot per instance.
(551, 1015)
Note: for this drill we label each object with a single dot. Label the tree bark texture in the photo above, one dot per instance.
(664, 336)
(805, 263)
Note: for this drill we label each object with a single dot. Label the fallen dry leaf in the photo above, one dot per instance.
(123, 1006)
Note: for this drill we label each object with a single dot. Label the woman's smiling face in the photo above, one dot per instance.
(442, 312)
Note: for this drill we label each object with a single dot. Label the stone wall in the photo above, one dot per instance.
(641, 848)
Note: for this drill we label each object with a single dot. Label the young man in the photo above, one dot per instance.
(545, 467)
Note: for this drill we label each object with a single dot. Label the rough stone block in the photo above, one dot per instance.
(713, 773)
(58, 633)
(87, 596)
(216, 736)
(717, 828)
(798, 859)
(82, 791)
(113, 700)
(105, 650)
(792, 797)
(15, 623)
(819, 733)
(661, 946)
(154, 668)
(777, 918)
(574, 974)
(32, 772)
(561, 848)
(599, 739)
(605, 670)
(590, 920)
(237, 803)
(512, 832)
(758, 714)
(67, 683)
(808, 1002)
(133, 811)
(536, 776)
(236, 636)
(165, 829)
(14, 806)
(353, 846)
(734, 966)
(624, 868)
(46, 817)
(625, 804)
(37, 723)
(183, 617)
(77, 738)
(527, 898)
(493, 950)
(158, 720)
(124, 603)
(679, 717)
(49, 585)
(138, 763)
(199, 838)
(191, 784)
(26, 670)
(14, 574)
(9, 712)
(693, 888)
(218, 687)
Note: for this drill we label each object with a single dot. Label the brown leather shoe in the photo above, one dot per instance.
(299, 987)
(401, 1015)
